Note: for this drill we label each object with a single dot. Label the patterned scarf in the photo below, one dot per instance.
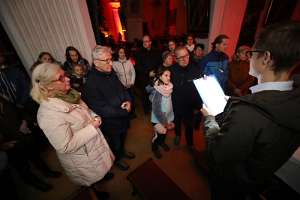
(165, 90)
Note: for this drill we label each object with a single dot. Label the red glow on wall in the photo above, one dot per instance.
(112, 18)
(172, 18)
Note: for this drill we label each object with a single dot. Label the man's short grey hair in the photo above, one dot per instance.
(99, 51)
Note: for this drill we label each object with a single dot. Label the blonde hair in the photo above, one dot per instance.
(100, 50)
(42, 76)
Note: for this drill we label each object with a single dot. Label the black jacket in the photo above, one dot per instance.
(185, 97)
(146, 60)
(260, 133)
(10, 121)
(104, 94)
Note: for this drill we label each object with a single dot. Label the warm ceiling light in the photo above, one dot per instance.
(115, 5)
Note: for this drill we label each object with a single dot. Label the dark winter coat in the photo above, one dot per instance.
(146, 60)
(185, 97)
(260, 133)
(104, 94)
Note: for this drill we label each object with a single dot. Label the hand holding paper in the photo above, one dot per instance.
(211, 94)
(205, 111)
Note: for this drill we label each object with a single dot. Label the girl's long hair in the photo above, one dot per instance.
(158, 74)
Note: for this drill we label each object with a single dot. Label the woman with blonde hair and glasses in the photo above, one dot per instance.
(71, 127)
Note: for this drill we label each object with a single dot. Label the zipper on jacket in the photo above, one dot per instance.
(124, 72)
(85, 150)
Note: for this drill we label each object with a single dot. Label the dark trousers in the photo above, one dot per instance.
(142, 80)
(187, 120)
(146, 102)
(116, 141)
(130, 92)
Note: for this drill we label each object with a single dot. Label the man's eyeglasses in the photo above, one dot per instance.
(182, 57)
(250, 53)
(107, 61)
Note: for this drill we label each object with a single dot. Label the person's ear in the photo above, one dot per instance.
(96, 62)
(267, 59)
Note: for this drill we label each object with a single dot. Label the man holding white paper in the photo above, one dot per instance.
(258, 133)
(211, 93)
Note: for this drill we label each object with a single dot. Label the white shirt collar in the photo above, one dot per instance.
(281, 86)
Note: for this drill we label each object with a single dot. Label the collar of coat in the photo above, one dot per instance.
(61, 106)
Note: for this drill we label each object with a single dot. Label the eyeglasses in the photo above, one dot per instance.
(183, 57)
(250, 53)
(107, 61)
(61, 78)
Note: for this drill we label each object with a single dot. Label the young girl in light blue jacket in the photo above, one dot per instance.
(162, 111)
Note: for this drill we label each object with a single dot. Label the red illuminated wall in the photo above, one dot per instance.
(296, 14)
(227, 17)
(155, 16)
(112, 19)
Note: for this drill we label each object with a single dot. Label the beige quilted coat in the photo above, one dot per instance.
(81, 148)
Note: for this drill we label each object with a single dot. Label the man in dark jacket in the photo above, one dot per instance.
(258, 133)
(147, 60)
(106, 96)
(185, 97)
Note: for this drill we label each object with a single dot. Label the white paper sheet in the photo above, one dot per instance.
(211, 93)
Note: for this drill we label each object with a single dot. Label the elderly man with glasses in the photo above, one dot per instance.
(185, 98)
(106, 96)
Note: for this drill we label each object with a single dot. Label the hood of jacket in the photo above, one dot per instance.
(282, 107)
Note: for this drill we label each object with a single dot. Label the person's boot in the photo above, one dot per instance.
(129, 155)
(122, 165)
(156, 151)
(162, 138)
(101, 195)
(165, 147)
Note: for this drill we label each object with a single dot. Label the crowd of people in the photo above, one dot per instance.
(84, 109)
